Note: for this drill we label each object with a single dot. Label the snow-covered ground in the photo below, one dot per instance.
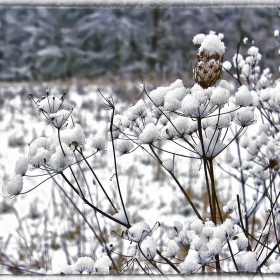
(42, 229)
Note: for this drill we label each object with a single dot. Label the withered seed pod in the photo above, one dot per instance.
(208, 68)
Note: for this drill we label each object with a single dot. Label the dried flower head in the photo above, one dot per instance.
(209, 61)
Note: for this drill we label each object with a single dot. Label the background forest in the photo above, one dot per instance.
(49, 43)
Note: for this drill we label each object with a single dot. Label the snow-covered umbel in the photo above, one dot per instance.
(15, 185)
(243, 96)
(99, 142)
(84, 264)
(50, 104)
(21, 166)
(102, 265)
(150, 134)
(139, 231)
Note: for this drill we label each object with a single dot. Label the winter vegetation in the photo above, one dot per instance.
(183, 180)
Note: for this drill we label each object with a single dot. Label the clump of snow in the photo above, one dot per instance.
(148, 248)
(242, 242)
(37, 143)
(84, 264)
(77, 136)
(123, 146)
(150, 134)
(212, 44)
(220, 96)
(21, 166)
(171, 250)
(139, 109)
(102, 265)
(198, 38)
(227, 65)
(139, 231)
(122, 217)
(158, 94)
(14, 185)
(98, 142)
(58, 160)
(191, 263)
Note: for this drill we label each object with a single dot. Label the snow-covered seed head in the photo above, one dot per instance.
(21, 166)
(150, 134)
(139, 109)
(220, 96)
(14, 186)
(98, 142)
(149, 248)
(171, 249)
(123, 147)
(77, 136)
(84, 264)
(102, 265)
(244, 117)
(242, 242)
(139, 231)
(59, 118)
(207, 232)
(50, 105)
(209, 61)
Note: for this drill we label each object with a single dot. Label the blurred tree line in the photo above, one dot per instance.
(42, 43)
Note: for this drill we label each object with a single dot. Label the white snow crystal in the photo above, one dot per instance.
(190, 105)
(139, 109)
(247, 262)
(244, 117)
(196, 225)
(64, 269)
(246, 70)
(190, 264)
